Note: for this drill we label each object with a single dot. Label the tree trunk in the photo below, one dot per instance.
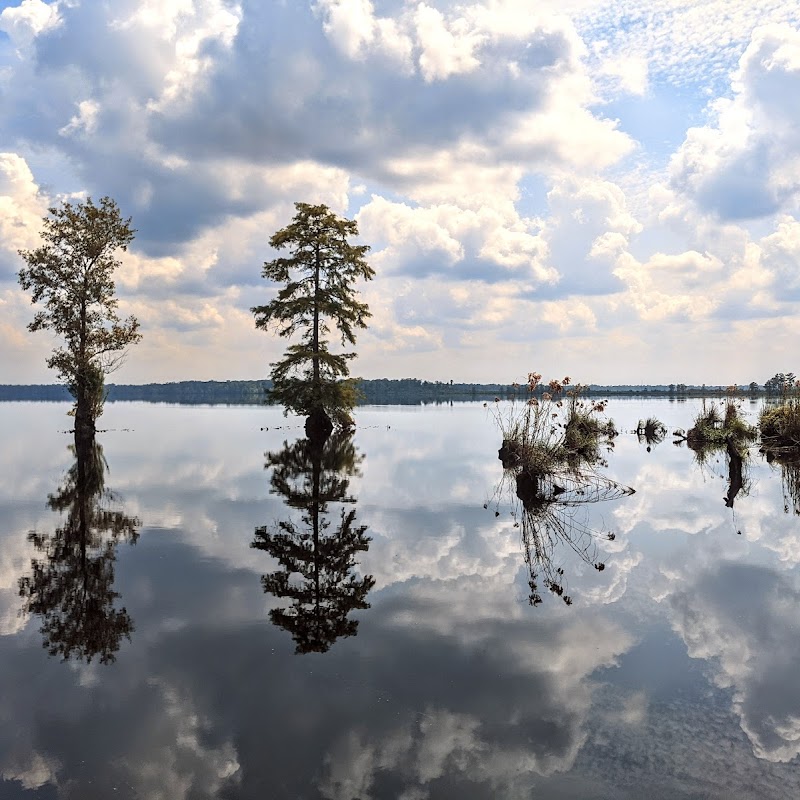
(84, 411)
(317, 393)
(84, 418)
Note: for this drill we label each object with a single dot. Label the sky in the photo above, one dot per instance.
(605, 189)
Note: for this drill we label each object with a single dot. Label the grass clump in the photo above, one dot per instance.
(716, 425)
(551, 444)
(780, 424)
(556, 430)
(780, 441)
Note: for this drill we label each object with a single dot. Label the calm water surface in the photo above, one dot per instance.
(206, 607)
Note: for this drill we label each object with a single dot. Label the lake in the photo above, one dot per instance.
(207, 607)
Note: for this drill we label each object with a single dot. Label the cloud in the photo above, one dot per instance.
(23, 23)
(31, 770)
(685, 44)
(490, 744)
(628, 72)
(737, 617)
(186, 763)
(488, 150)
(746, 162)
(454, 243)
(446, 49)
(21, 210)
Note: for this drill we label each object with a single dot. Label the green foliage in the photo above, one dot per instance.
(70, 276)
(317, 295)
(781, 383)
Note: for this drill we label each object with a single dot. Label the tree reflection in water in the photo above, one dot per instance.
(71, 585)
(317, 561)
(551, 511)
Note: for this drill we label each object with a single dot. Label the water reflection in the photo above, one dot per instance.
(737, 462)
(672, 674)
(71, 585)
(551, 511)
(317, 560)
(789, 463)
(736, 474)
(651, 432)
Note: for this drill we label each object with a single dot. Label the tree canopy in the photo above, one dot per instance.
(780, 382)
(317, 295)
(70, 275)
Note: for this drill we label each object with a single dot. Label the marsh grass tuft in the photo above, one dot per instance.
(780, 441)
(717, 425)
(780, 424)
(556, 430)
(551, 446)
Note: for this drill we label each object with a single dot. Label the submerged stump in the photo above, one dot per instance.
(318, 425)
(510, 454)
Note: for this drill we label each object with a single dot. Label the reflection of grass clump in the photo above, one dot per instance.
(652, 431)
(789, 462)
(553, 519)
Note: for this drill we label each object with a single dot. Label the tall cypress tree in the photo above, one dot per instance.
(71, 276)
(317, 294)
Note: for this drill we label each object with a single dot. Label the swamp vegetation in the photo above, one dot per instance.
(552, 452)
(552, 456)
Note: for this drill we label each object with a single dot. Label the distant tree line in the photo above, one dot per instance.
(382, 391)
(780, 382)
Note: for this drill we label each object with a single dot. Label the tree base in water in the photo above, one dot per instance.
(85, 429)
(318, 425)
